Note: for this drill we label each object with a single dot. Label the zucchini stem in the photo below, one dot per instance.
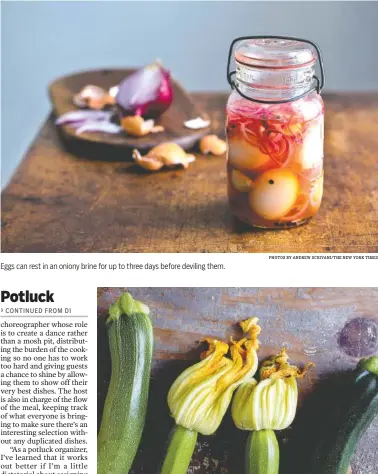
(180, 450)
(262, 454)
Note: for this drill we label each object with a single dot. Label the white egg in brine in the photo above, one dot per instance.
(274, 193)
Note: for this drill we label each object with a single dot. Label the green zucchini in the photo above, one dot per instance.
(180, 450)
(262, 454)
(357, 410)
(131, 344)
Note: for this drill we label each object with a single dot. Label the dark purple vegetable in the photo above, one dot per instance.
(146, 92)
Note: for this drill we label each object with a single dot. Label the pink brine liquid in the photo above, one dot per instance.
(275, 160)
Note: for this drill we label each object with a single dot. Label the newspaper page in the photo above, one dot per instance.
(189, 237)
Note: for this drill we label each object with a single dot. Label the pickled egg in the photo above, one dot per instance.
(274, 193)
(299, 210)
(309, 109)
(310, 153)
(244, 156)
(240, 181)
(317, 193)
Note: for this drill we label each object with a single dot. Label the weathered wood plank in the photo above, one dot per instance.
(333, 327)
(59, 201)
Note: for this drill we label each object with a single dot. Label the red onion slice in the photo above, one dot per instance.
(103, 126)
(82, 116)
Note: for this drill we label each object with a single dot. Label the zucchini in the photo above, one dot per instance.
(131, 344)
(180, 450)
(264, 406)
(357, 410)
(200, 396)
(262, 454)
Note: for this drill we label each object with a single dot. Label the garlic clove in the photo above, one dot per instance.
(79, 101)
(189, 159)
(97, 104)
(197, 123)
(173, 160)
(109, 100)
(147, 162)
(88, 92)
(152, 128)
(170, 153)
(138, 127)
(94, 97)
(212, 144)
(166, 154)
(168, 149)
(157, 129)
(113, 91)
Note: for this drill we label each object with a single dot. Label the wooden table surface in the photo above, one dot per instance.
(61, 201)
(333, 327)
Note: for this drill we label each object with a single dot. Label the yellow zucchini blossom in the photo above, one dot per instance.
(271, 403)
(200, 396)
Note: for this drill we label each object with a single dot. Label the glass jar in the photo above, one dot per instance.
(275, 130)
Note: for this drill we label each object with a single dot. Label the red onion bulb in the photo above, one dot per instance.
(146, 92)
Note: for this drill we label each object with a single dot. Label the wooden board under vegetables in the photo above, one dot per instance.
(183, 108)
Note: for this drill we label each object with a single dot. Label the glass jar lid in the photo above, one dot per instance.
(275, 53)
(282, 66)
